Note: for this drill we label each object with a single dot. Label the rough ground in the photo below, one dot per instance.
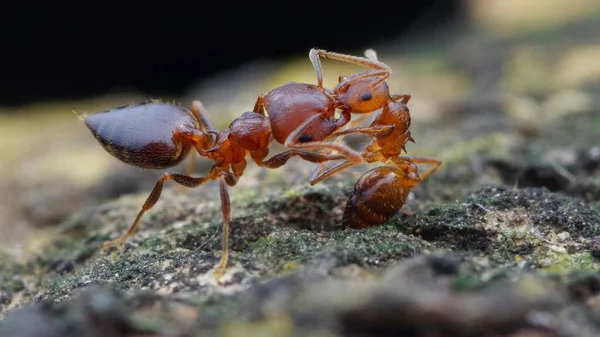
(504, 240)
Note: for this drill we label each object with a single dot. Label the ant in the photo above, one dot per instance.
(157, 135)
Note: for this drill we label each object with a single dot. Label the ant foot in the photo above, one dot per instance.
(116, 243)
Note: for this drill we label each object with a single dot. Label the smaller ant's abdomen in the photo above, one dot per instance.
(291, 104)
(143, 135)
(377, 196)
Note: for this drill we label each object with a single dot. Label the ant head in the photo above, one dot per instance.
(362, 94)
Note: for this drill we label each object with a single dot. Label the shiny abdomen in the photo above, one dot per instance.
(143, 135)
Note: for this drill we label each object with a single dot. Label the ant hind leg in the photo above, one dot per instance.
(295, 141)
(153, 198)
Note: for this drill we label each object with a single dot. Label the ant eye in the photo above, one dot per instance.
(366, 96)
(305, 138)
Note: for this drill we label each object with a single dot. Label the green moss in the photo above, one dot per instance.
(564, 263)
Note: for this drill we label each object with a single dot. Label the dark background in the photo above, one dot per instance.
(49, 52)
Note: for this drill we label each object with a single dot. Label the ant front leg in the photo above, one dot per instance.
(153, 198)
(369, 62)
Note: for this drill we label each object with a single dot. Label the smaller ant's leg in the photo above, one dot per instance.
(153, 198)
(201, 114)
(297, 140)
(226, 208)
(322, 172)
(403, 98)
(259, 106)
(420, 160)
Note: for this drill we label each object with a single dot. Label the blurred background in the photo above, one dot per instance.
(94, 57)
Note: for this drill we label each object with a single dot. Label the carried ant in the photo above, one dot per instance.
(157, 135)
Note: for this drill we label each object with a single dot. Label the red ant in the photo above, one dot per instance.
(158, 135)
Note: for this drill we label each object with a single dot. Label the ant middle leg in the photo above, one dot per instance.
(280, 159)
(297, 141)
(153, 198)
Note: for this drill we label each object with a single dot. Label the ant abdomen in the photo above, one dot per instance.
(143, 135)
(377, 196)
(291, 104)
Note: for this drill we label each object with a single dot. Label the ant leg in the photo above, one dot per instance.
(371, 54)
(189, 170)
(420, 160)
(382, 74)
(153, 198)
(316, 54)
(294, 142)
(377, 130)
(226, 209)
(259, 106)
(316, 62)
(403, 98)
(201, 114)
(280, 159)
(320, 175)
(365, 62)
